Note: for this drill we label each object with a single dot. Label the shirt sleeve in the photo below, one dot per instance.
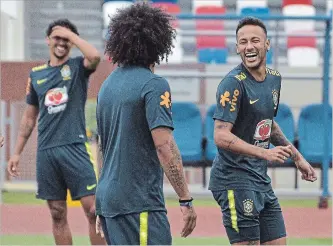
(157, 99)
(276, 100)
(31, 95)
(228, 98)
(86, 72)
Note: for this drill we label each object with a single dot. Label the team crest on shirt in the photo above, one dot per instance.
(275, 95)
(263, 133)
(56, 100)
(166, 100)
(248, 207)
(66, 72)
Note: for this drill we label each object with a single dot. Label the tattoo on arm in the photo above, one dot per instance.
(222, 126)
(232, 142)
(279, 139)
(172, 166)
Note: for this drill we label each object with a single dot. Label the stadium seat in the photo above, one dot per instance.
(212, 55)
(302, 52)
(205, 3)
(291, 26)
(188, 130)
(255, 11)
(285, 120)
(311, 132)
(303, 57)
(164, 1)
(290, 2)
(110, 8)
(211, 149)
(251, 4)
(171, 8)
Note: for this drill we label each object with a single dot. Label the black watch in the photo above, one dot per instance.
(186, 203)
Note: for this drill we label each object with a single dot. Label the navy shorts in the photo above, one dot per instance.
(65, 167)
(146, 228)
(251, 216)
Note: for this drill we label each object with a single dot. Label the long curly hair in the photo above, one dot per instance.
(140, 35)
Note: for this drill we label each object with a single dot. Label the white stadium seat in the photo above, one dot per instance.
(291, 26)
(177, 52)
(303, 57)
(110, 8)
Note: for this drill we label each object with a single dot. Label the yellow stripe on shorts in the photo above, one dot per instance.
(143, 228)
(232, 207)
(91, 157)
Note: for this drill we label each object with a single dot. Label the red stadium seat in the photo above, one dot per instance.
(301, 42)
(289, 2)
(206, 41)
(170, 8)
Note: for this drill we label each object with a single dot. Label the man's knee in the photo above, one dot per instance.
(58, 211)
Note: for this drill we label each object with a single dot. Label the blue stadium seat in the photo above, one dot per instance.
(255, 11)
(285, 120)
(311, 132)
(188, 130)
(213, 55)
(211, 149)
(269, 57)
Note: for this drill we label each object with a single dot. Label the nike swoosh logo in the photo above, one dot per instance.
(90, 187)
(41, 81)
(252, 102)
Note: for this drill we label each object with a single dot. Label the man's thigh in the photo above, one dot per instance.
(146, 228)
(77, 166)
(271, 220)
(240, 209)
(51, 184)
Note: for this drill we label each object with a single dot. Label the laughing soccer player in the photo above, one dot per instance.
(247, 101)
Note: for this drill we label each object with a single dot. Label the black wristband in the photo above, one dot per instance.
(184, 201)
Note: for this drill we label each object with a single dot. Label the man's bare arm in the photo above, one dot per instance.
(279, 139)
(27, 125)
(225, 139)
(170, 159)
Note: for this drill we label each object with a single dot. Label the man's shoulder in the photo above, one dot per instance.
(236, 74)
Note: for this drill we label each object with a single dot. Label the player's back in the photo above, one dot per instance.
(131, 174)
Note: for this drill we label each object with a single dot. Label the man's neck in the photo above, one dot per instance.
(54, 61)
(259, 74)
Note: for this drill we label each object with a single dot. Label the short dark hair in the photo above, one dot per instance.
(250, 21)
(64, 23)
(140, 35)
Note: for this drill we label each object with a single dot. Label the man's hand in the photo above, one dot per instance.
(12, 167)
(308, 173)
(278, 154)
(190, 220)
(2, 141)
(62, 32)
(99, 230)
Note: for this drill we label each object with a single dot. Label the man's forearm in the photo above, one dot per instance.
(279, 139)
(171, 162)
(227, 140)
(88, 50)
(26, 128)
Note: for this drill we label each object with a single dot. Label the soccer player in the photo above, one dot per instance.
(247, 101)
(135, 128)
(57, 92)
